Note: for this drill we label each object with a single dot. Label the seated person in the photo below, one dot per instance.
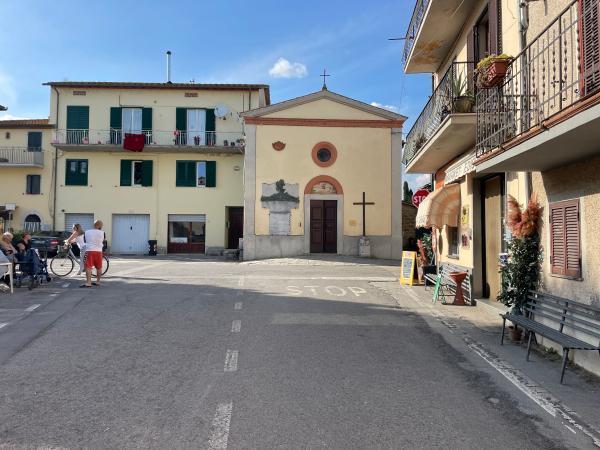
(24, 244)
(6, 246)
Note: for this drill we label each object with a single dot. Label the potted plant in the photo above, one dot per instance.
(520, 269)
(420, 141)
(492, 69)
(462, 100)
(425, 254)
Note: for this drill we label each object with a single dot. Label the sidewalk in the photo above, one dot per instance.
(476, 331)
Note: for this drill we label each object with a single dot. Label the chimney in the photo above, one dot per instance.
(169, 66)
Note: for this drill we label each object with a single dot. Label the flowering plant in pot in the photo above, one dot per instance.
(425, 254)
(492, 69)
(521, 269)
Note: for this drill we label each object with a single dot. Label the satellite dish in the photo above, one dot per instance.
(221, 111)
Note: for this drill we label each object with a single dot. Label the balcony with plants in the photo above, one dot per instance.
(432, 31)
(541, 109)
(446, 127)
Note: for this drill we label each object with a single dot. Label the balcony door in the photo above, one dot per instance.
(196, 127)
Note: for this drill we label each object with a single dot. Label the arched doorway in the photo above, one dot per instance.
(323, 212)
(32, 223)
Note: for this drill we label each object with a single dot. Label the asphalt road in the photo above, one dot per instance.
(214, 355)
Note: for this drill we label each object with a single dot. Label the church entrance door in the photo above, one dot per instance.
(323, 226)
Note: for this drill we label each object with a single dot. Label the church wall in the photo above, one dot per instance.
(323, 109)
(363, 164)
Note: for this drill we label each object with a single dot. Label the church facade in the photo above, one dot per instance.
(321, 172)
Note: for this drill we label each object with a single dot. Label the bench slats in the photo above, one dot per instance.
(560, 299)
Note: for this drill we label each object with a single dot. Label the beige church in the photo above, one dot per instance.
(319, 172)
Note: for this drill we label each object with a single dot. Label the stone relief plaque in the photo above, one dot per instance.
(280, 198)
(323, 188)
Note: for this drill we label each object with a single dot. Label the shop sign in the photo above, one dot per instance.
(460, 168)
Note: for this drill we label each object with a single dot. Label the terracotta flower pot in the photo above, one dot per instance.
(496, 72)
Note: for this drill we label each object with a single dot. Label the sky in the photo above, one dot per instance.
(285, 44)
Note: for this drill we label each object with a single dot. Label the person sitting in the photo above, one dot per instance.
(24, 244)
(7, 248)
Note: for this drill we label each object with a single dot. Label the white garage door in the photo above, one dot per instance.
(85, 220)
(130, 233)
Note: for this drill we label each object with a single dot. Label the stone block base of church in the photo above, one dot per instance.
(264, 247)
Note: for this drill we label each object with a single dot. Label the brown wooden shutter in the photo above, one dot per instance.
(471, 59)
(590, 45)
(495, 30)
(565, 238)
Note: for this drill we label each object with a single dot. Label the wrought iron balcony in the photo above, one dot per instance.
(555, 72)
(21, 157)
(452, 96)
(413, 28)
(114, 138)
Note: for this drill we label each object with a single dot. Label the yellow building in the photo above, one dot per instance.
(26, 168)
(536, 131)
(308, 162)
(184, 190)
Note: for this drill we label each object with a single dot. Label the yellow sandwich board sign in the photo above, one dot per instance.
(407, 270)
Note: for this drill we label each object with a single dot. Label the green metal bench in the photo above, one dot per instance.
(550, 316)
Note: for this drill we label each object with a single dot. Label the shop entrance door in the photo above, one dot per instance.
(492, 237)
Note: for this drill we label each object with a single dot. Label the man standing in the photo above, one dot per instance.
(93, 253)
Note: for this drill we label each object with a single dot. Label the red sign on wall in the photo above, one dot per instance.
(419, 196)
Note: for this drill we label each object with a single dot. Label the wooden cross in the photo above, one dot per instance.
(324, 74)
(363, 204)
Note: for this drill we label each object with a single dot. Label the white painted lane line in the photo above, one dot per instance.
(66, 285)
(32, 307)
(2, 325)
(231, 361)
(237, 306)
(241, 281)
(236, 326)
(220, 427)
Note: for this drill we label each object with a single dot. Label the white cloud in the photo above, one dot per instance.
(285, 69)
(422, 179)
(388, 107)
(11, 117)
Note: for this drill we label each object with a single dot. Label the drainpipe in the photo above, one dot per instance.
(523, 26)
(55, 162)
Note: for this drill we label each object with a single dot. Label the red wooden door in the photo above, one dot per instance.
(235, 221)
(323, 226)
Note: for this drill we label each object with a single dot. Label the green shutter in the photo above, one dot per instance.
(210, 120)
(146, 173)
(147, 119)
(125, 172)
(116, 117)
(78, 117)
(211, 173)
(76, 172)
(181, 119)
(185, 173)
(34, 141)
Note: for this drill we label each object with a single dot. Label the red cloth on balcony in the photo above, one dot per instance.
(134, 142)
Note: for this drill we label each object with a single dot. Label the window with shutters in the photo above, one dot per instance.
(565, 248)
(78, 124)
(590, 45)
(196, 174)
(34, 184)
(76, 173)
(34, 141)
(136, 173)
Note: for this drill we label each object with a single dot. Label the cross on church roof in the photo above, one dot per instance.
(324, 74)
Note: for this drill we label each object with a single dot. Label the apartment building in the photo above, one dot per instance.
(536, 131)
(26, 169)
(466, 208)
(183, 189)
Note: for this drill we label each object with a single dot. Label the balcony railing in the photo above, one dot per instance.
(442, 103)
(21, 156)
(555, 71)
(414, 26)
(114, 137)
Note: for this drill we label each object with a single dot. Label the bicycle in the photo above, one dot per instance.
(65, 260)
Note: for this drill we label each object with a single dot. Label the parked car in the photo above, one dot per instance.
(48, 244)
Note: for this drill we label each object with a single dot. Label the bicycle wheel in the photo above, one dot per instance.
(61, 266)
(105, 264)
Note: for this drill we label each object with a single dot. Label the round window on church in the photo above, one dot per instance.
(324, 154)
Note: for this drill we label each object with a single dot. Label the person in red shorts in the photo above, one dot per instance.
(93, 254)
